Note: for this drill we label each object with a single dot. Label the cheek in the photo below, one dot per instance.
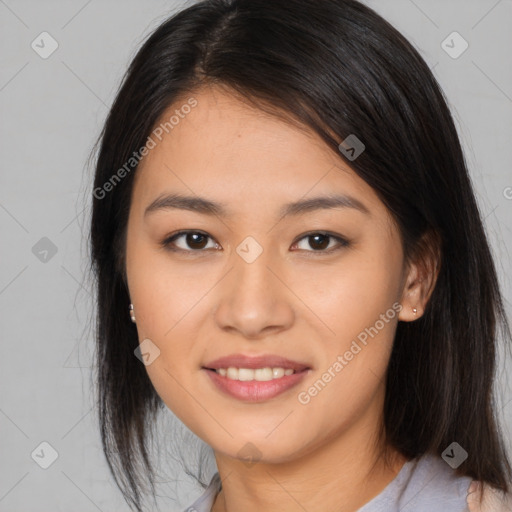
(352, 295)
(166, 291)
(357, 300)
(358, 308)
(160, 299)
(177, 387)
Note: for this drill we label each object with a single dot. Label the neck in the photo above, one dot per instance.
(342, 474)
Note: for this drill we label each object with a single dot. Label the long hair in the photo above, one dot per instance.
(338, 68)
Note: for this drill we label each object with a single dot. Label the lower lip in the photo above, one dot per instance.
(254, 390)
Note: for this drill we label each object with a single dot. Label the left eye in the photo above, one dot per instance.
(195, 241)
(321, 241)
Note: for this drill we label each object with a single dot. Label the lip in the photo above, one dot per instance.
(253, 390)
(253, 362)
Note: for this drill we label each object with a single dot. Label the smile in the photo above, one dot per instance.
(259, 374)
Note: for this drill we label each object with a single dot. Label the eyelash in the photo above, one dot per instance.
(167, 242)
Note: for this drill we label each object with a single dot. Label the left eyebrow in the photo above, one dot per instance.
(207, 207)
(323, 203)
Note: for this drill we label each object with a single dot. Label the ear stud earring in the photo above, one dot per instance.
(414, 310)
(132, 313)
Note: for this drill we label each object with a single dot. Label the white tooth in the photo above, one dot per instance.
(259, 374)
(263, 374)
(245, 374)
(277, 373)
(232, 373)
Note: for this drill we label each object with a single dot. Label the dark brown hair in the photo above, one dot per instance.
(336, 67)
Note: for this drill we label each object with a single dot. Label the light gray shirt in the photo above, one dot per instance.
(423, 484)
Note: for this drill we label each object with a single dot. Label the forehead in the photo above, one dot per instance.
(228, 150)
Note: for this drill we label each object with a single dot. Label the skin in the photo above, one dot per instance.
(293, 301)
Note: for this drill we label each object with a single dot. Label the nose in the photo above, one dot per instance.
(255, 300)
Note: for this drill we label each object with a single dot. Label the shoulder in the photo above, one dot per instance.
(493, 500)
(206, 500)
(424, 484)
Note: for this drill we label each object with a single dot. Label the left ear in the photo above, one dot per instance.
(421, 276)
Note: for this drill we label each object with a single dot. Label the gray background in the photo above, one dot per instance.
(52, 111)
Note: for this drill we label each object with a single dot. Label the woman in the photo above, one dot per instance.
(281, 204)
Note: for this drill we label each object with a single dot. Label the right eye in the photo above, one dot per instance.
(194, 240)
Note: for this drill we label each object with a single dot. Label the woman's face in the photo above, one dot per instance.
(251, 281)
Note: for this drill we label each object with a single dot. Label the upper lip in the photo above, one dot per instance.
(260, 361)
